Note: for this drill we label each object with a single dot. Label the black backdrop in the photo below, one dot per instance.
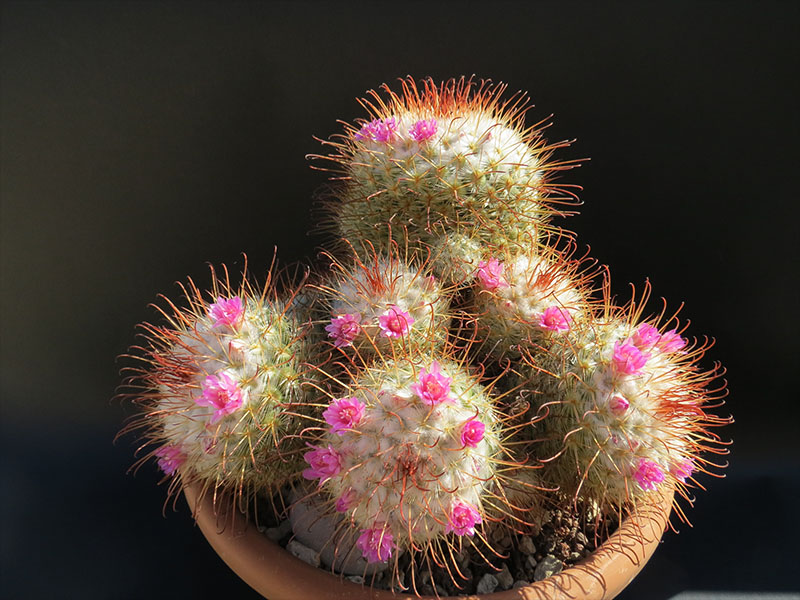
(142, 140)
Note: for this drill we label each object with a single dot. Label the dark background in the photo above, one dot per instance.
(142, 140)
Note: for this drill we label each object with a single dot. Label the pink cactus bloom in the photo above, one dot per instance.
(423, 129)
(378, 130)
(432, 387)
(490, 274)
(344, 329)
(367, 131)
(671, 342)
(226, 311)
(395, 322)
(646, 336)
(472, 433)
(648, 474)
(618, 404)
(376, 544)
(344, 414)
(462, 518)
(324, 463)
(346, 501)
(555, 319)
(386, 130)
(682, 470)
(170, 458)
(628, 359)
(222, 393)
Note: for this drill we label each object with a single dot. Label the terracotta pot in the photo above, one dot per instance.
(277, 575)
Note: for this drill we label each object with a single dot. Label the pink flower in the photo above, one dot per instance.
(385, 130)
(618, 404)
(226, 312)
(170, 458)
(462, 518)
(671, 342)
(346, 500)
(423, 130)
(555, 319)
(344, 414)
(222, 393)
(491, 274)
(648, 474)
(324, 463)
(682, 470)
(378, 130)
(645, 336)
(472, 433)
(376, 544)
(344, 329)
(432, 387)
(395, 322)
(628, 359)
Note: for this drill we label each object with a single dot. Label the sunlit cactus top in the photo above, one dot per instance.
(444, 159)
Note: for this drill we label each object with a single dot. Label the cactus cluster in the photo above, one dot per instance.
(450, 360)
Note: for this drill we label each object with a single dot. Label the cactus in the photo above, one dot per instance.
(531, 293)
(410, 454)
(224, 396)
(448, 159)
(624, 404)
(384, 302)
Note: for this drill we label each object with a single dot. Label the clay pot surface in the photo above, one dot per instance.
(277, 575)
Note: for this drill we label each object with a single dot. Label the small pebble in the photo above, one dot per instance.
(487, 584)
(355, 579)
(547, 567)
(304, 553)
(504, 577)
(520, 583)
(277, 533)
(526, 545)
(530, 563)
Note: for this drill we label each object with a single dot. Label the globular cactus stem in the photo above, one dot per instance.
(410, 455)
(530, 294)
(452, 159)
(625, 409)
(384, 302)
(222, 393)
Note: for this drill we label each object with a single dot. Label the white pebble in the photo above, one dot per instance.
(304, 553)
(547, 567)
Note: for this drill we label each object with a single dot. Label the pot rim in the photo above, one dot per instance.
(278, 575)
